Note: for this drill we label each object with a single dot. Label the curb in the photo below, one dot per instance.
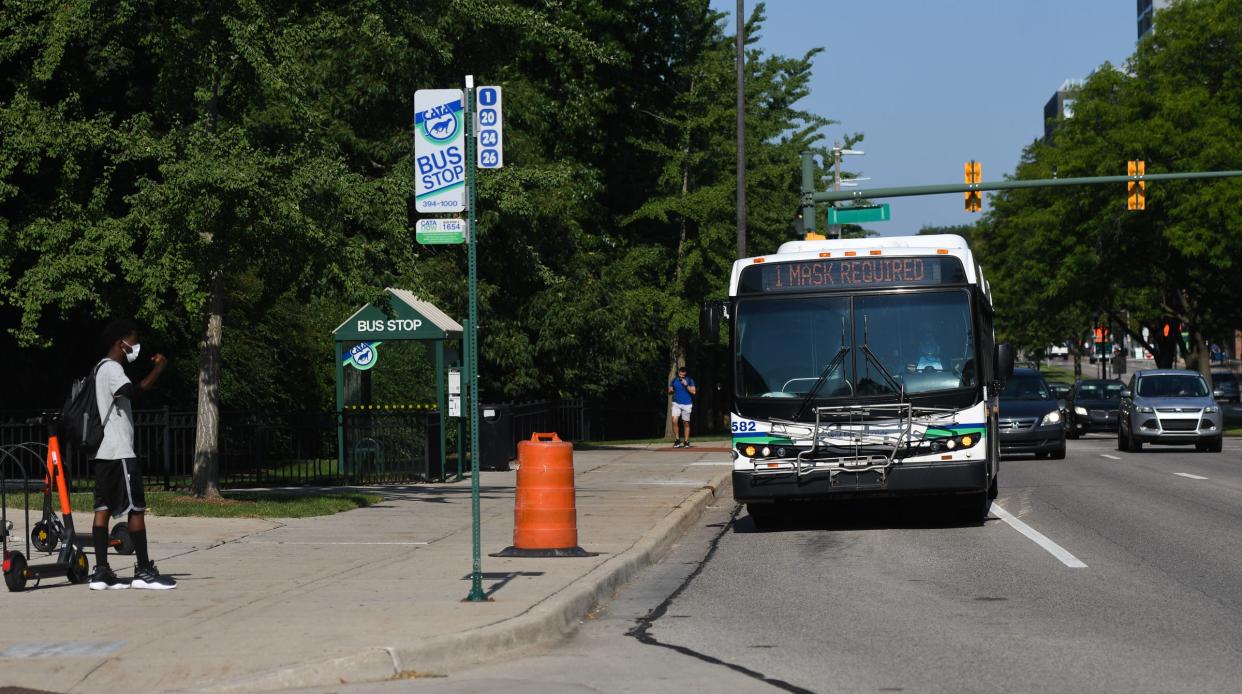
(543, 624)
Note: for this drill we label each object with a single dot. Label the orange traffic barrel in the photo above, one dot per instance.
(545, 519)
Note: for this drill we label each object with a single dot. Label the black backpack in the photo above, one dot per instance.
(80, 426)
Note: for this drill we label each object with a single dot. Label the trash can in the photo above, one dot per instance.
(496, 447)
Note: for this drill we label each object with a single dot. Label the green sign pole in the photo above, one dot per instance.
(472, 347)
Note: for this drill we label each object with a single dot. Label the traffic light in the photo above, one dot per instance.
(974, 198)
(1136, 189)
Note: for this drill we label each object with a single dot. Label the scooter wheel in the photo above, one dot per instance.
(15, 574)
(79, 567)
(121, 540)
(42, 537)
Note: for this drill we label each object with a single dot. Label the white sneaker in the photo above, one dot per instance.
(149, 577)
(105, 579)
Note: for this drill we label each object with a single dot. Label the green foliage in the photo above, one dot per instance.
(966, 231)
(1060, 258)
(148, 146)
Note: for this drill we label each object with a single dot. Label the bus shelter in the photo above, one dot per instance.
(398, 316)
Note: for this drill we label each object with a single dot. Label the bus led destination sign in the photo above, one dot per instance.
(851, 273)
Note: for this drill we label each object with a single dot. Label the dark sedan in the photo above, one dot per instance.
(1225, 386)
(1093, 406)
(1030, 418)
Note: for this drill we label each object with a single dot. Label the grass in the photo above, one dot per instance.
(1233, 425)
(239, 504)
(1059, 372)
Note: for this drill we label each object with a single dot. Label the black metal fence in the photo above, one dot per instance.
(383, 445)
(578, 419)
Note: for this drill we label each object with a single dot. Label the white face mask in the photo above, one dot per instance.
(132, 354)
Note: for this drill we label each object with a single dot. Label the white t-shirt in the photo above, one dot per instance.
(115, 412)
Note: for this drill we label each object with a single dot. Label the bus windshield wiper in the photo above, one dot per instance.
(898, 388)
(823, 375)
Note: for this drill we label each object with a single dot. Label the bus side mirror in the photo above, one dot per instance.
(1004, 362)
(709, 321)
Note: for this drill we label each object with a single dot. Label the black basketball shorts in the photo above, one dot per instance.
(118, 487)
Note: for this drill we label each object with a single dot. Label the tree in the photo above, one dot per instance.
(237, 174)
(1069, 253)
(685, 229)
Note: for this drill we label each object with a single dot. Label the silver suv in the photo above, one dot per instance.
(1169, 406)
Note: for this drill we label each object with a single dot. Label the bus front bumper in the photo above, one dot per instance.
(908, 479)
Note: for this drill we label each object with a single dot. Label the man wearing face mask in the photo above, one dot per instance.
(118, 475)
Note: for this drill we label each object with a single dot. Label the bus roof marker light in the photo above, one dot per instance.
(877, 252)
(759, 260)
(825, 255)
(942, 251)
(851, 253)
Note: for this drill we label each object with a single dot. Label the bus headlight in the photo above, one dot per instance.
(1081, 410)
(1052, 417)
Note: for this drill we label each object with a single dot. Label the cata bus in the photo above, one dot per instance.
(864, 368)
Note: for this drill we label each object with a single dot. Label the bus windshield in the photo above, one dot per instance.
(896, 344)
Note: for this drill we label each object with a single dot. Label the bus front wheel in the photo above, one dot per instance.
(974, 508)
(764, 515)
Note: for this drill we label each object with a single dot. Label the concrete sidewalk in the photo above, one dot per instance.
(359, 596)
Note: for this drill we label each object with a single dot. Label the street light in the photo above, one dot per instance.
(839, 152)
(853, 182)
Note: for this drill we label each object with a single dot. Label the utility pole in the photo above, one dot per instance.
(834, 230)
(838, 153)
(741, 130)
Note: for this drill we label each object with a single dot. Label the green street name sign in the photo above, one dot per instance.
(858, 215)
(440, 231)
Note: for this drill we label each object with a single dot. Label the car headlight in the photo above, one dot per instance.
(1081, 410)
(1211, 410)
(1051, 418)
(1144, 409)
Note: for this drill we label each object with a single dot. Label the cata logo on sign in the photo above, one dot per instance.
(439, 150)
(363, 355)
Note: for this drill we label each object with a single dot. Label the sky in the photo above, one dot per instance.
(931, 84)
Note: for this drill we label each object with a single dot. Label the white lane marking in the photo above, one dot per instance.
(729, 464)
(1039, 538)
(1187, 475)
(1110, 457)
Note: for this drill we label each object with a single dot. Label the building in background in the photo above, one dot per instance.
(1147, 14)
(1061, 105)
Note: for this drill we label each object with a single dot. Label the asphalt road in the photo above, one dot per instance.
(1106, 571)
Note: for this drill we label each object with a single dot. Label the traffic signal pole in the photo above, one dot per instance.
(808, 182)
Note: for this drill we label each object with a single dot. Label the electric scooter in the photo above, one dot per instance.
(71, 561)
(49, 531)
